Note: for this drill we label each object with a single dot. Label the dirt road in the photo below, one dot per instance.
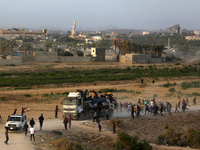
(18, 141)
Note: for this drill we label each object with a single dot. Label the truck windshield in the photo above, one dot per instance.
(14, 119)
(69, 101)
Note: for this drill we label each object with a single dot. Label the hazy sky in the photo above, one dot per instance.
(136, 14)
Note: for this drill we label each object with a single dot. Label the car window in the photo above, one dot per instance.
(14, 119)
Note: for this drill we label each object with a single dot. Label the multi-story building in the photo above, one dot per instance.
(174, 29)
(21, 32)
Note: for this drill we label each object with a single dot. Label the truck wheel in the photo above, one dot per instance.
(81, 117)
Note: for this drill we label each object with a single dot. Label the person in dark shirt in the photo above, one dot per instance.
(26, 128)
(41, 119)
(32, 122)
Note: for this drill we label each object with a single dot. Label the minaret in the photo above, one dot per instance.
(73, 32)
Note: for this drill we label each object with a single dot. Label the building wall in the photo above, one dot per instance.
(74, 59)
(17, 60)
(46, 56)
(143, 58)
(28, 59)
(98, 53)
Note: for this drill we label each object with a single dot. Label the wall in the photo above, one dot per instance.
(17, 60)
(126, 58)
(74, 59)
(46, 56)
(28, 59)
(143, 58)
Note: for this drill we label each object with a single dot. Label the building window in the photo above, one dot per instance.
(93, 51)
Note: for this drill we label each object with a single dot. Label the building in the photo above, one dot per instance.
(98, 54)
(193, 38)
(176, 29)
(145, 33)
(21, 32)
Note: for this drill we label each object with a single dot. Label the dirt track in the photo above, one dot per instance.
(18, 141)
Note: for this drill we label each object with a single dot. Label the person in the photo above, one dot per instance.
(113, 125)
(146, 108)
(132, 111)
(99, 125)
(179, 103)
(65, 121)
(107, 114)
(95, 116)
(22, 112)
(194, 101)
(153, 82)
(169, 108)
(129, 108)
(142, 81)
(176, 108)
(26, 128)
(138, 109)
(32, 122)
(14, 111)
(56, 112)
(41, 119)
(69, 120)
(6, 135)
(121, 107)
(85, 94)
(32, 133)
(161, 108)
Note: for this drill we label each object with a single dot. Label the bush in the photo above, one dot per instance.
(193, 138)
(27, 95)
(125, 141)
(192, 84)
(79, 53)
(172, 90)
(65, 144)
(66, 53)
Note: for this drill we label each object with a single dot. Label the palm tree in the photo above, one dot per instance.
(48, 45)
(157, 50)
(3, 46)
(12, 44)
(115, 45)
(26, 46)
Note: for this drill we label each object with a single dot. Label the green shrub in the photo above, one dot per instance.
(45, 95)
(193, 138)
(3, 98)
(27, 95)
(65, 93)
(65, 144)
(172, 90)
(125, 141)
(192, 84)
(79, 53)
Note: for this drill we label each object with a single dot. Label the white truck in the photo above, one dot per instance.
(16, 122)
(79, 108)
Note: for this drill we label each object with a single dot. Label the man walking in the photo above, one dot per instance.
(65, 121)
(26, 128)
(6, 135)
(32, 133)
(56, 112)
(41, 119)
(32, 122)
(194, 101)
(69, 120)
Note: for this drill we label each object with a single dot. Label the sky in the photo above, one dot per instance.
(129, 14)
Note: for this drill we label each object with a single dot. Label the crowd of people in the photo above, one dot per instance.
(154, 107)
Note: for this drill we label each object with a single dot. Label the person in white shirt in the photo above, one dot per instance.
(32, 132)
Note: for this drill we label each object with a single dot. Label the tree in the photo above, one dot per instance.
(12, 44)
(26, 46)
(115, 45)
(48, 45)
(157, 50)
(79, 53)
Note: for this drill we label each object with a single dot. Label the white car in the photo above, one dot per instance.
(16, 122)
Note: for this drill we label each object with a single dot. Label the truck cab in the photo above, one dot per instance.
(73, 105)
(16, 122)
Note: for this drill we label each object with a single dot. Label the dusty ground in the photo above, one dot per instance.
(145, 127)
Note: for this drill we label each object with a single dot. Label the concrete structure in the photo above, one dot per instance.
(139, 58)
(73, 32)
(174, 29)
(194, 37)
(14, 60)
(145, 33)
(98, 54)
(22, 32)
